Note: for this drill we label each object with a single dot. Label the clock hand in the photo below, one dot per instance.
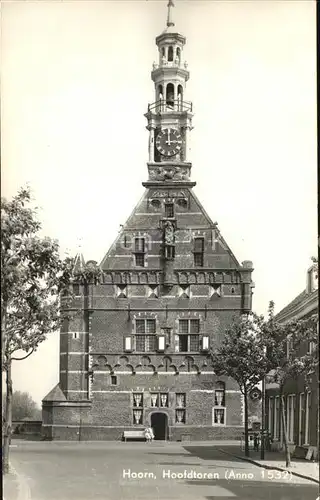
(168, 141)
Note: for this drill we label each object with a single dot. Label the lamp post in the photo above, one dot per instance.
(263, 418)
(263, 412)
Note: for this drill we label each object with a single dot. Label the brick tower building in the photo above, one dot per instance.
(139, 353)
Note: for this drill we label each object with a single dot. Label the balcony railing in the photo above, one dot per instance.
(171, 106)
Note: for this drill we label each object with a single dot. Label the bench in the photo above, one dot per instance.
(133, 435)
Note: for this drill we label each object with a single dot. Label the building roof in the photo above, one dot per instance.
(302, 305)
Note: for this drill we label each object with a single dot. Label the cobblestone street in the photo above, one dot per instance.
(158, 471)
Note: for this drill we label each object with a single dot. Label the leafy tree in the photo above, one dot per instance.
(23, 406)
(242, 357)
(32, 277)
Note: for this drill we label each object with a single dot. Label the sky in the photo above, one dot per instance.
(75, 86)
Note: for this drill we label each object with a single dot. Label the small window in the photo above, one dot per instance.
(189, 326)
(183, 326)
(76, 289)
(151, 326)
(194, 326)
(219, 394)
(198, 244)
(146, 343)
(183, 343)
(138, 399)
(198, 259)
(75, 335)
(182, 203)
(169, 252)
(194, 343)
(180, 400)
(145, 326)
(137, 417)
(139, 245)
(169, 210)
(139, 259)
(126, 241)
(233, 290)
(155, 204)
(198, 252)
(113, 380)
(180, 416)
(219, 416)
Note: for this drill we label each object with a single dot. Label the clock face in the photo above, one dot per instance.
(169, 142)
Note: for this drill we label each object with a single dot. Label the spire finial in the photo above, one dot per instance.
(169, 18)
(79, 241)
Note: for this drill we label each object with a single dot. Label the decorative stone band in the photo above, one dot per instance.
(175, 173)
(205, 277)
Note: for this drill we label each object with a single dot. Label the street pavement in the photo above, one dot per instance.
(142, 471)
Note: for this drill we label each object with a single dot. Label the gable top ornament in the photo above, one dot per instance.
(169, 17)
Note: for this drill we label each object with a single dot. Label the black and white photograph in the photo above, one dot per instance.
(159, 250)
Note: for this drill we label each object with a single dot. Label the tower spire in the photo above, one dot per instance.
(169, 18)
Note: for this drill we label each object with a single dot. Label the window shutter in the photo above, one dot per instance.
(205, 343)
(161, 342)
(128, 343)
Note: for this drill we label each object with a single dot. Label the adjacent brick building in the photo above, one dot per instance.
(139, 352)
(301, 401)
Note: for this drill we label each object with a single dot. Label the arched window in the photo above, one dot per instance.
(163, 52)
(170, 95)
(170, 53)
(178, 54)
(180, 96)
(160, 92)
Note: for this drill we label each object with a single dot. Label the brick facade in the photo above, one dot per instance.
(140, 344)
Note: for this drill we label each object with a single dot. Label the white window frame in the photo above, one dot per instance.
(224, 415)
(307, 418)
(188, 335)
(301, 409)
(290, 417)
(270, 411)
(276, 433)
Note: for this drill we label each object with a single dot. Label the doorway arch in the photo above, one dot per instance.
(159, 424)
